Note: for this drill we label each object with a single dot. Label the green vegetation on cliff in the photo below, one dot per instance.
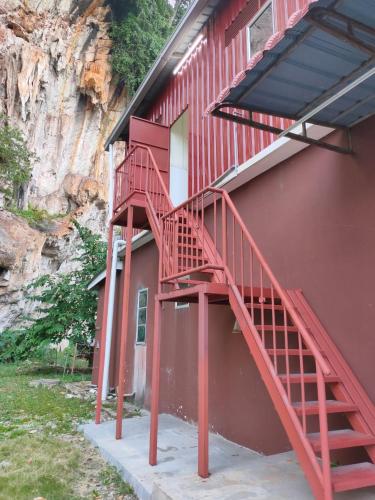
(15, 160)
(140, 35)
(65, 308)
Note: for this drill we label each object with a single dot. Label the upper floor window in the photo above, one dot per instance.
(260, 29)
(142, 315)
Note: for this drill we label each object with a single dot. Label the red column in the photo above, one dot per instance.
(103, 333)
(155, 384)
(203, 385)
(124, 324)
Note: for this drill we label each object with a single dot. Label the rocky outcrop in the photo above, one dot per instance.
(57, 86)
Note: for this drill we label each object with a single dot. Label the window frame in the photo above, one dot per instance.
(254, 20)
(143, 342)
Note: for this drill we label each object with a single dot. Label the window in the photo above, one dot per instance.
(260, 29)
(142, 316)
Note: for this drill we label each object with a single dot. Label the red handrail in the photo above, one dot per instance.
(139, 172)
(206, 233)
(188, 247)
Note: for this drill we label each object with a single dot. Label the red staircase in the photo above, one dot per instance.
(205, 244)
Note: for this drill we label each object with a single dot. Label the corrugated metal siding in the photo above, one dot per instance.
(213, 66)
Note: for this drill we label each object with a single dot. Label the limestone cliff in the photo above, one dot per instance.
(56, 85)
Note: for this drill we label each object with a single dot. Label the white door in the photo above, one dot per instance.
(179, 160)
(140, 350)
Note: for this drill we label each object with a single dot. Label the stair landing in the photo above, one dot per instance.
(236, 472)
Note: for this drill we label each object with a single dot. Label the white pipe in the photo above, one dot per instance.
(111, 183)
(111, 306)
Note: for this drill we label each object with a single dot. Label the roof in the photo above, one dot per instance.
(186, 32)
(321, 66)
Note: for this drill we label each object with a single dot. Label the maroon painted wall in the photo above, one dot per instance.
(313, 217)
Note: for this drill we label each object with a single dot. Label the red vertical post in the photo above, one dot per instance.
(203, 385)
(124, 324)
(103, 333)
(155, 391)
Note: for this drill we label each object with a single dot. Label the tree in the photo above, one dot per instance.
(140, 35)
(65, 308)
(139, 38)
(180, 7)
(15, 160)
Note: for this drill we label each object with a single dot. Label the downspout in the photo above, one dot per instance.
(111, 302)
(111, 183)
(118, 245)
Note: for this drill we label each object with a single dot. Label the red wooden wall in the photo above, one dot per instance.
(210, 69)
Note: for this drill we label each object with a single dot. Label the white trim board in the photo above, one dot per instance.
(278, 151)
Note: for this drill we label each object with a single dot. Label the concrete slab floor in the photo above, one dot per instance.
(237, 473)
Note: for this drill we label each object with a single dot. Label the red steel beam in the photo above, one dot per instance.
(103, 334)
(155, 384)
(203, 385)
(124, 324)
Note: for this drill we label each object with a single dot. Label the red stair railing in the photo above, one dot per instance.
(139, 173)
(207, 232)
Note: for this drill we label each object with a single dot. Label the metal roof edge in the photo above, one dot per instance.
(138, 241)
(101, 276)
(185, 25)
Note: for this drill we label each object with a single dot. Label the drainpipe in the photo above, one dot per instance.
(117, 247)
(111, 183)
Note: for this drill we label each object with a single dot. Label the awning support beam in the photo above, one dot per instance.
(315, 17)
(277, 131)
(323, 101)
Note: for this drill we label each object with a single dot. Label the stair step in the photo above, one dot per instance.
(192, 257)
(345, 438)
(266, 307)
(332, 406)
(350, 477)
(186, 232)
(289, 352)
(190, 282)
(277, 328)
(185, 237)
(308, 378)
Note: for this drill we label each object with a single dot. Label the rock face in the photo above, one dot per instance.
(57, 86)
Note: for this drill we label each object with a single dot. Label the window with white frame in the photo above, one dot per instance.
(142, 315)
(260, 29)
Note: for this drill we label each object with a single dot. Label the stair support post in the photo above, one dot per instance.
(124, 324)
(203, 385)
(323, 424)
(103, 332)
(155, 390)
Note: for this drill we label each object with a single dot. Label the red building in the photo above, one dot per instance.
(246, 302)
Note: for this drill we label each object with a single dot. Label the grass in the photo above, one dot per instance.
(41, 452)
(35, 467)
(25, 409)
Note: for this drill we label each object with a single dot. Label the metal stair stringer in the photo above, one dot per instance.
(350, 389)
(276, 391)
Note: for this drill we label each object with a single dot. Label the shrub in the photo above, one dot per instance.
(65, 309)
